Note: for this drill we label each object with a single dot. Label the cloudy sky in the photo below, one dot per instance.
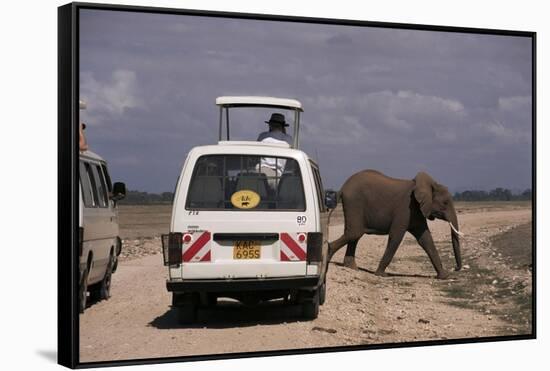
(400, 101)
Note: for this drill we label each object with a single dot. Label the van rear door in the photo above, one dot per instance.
(244, 216)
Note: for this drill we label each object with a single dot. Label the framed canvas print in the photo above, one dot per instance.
(240, 185)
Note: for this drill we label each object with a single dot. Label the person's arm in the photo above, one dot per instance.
(82, 144)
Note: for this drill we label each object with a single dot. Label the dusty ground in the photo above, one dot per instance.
(491, 296)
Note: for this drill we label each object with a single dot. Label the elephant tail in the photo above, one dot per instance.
(338, 200)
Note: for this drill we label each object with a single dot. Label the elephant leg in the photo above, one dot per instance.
(336, 245)
(394, 240)
(351, 233)
(349, 259)
(424, 238)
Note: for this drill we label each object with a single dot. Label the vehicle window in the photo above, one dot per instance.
(86, 186)
(276, 180)
(93, 185)
(107, 178)
(319, 187)
(101, 187)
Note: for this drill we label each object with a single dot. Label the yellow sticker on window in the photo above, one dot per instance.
(245, 199)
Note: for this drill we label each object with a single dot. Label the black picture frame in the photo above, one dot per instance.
(68, 116)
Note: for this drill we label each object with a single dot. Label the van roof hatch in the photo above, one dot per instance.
(227, 102)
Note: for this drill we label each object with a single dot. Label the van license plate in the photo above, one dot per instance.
(246, 249)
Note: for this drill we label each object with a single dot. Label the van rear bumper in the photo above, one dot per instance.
(243, 284)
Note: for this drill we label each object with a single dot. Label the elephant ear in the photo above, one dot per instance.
(423, 192)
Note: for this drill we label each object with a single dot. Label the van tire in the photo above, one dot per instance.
(83, 291)
(115, 266)
(103, 290)
(186, 308)
(118, 251)
(322, 293)
(310, 307)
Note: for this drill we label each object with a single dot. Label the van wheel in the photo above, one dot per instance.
(322, 293)
(186, 308)
(115, 266)
(117, 254)
(103, 291)
(83, 291)
(310, 306)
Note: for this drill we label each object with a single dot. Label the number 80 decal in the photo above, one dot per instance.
(301, 219)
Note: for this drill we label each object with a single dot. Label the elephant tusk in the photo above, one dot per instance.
(455, 230)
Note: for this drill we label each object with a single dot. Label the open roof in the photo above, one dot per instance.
(251, 101)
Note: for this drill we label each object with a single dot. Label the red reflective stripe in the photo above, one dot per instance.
(293, 246)
(206, 257)
(284, 257)
(191, 251)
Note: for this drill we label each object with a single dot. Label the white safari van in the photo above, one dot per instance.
(99, 241)
(241, 231)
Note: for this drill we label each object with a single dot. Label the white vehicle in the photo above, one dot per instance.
(239, 232)
(99, 241)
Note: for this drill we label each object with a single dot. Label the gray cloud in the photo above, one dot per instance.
(110, 98)
(455, 105)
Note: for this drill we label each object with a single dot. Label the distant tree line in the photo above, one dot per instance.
(145, 198)
(497, 194)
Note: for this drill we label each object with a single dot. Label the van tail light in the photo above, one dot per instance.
(171, 248)
(80, 240)
(187, 237)
(314, 248)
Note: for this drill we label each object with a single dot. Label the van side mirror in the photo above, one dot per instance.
(331, 199)
(119, 191)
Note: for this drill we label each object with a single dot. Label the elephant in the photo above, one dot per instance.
(374, 203)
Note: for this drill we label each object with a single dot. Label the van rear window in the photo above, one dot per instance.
(245, 182)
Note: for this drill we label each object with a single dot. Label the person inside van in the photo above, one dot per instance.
(277, 129)
(82, 144)
(271, 167)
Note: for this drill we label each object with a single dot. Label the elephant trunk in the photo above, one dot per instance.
(455, 234)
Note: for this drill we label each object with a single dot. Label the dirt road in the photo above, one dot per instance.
(491, 296)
